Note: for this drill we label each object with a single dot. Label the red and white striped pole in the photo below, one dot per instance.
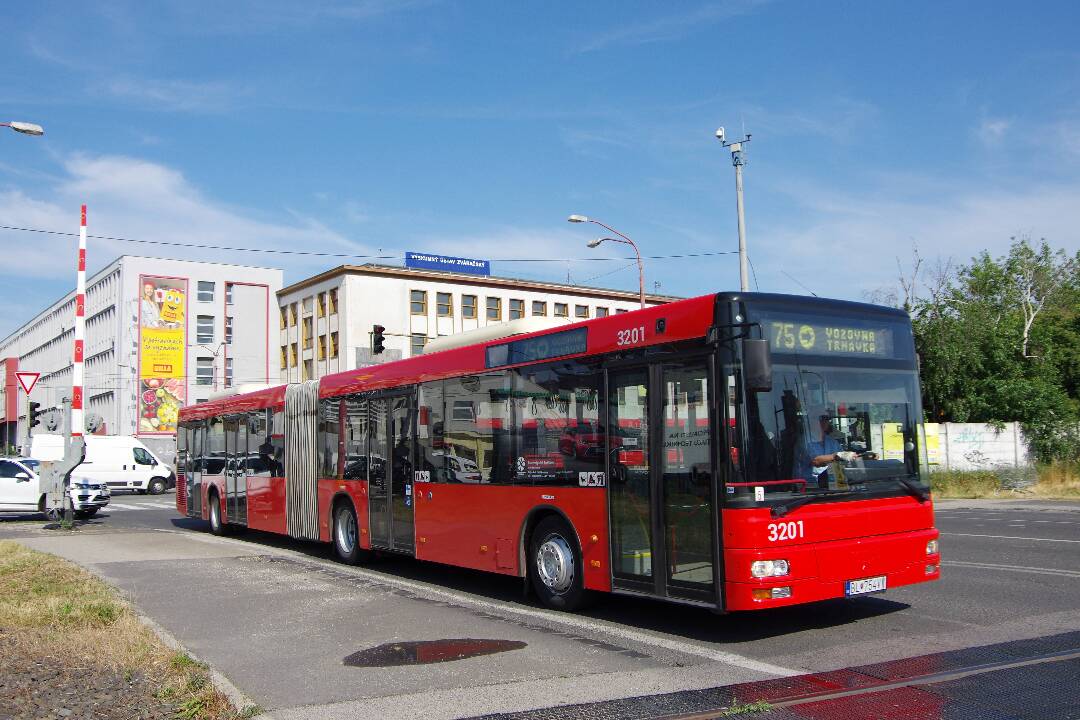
(77, 421)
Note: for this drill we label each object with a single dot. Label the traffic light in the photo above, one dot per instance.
(32, 413)
(377, 339)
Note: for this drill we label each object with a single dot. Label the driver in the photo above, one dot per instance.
(820, 449)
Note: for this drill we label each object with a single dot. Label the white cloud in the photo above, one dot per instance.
(175, 95)
(991, 131)
(668, 27)
(141, 200)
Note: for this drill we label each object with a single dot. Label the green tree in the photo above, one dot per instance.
(999, 340)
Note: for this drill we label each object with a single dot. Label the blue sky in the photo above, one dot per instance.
(475, 128)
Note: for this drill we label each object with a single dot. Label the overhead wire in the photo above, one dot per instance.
(312, 253)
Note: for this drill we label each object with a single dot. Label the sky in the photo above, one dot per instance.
(362, 130)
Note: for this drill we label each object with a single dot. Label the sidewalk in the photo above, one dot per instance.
(278, 623)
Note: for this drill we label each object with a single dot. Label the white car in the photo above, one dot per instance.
(21, 490)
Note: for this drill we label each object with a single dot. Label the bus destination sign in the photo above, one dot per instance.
(821, 337)
(544, 347)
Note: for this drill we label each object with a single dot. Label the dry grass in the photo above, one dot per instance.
(1058, 481)
(50, 607)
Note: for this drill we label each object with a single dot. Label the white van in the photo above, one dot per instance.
(119, 461)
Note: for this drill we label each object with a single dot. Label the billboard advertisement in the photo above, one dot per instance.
(447, 263)
(162, 352)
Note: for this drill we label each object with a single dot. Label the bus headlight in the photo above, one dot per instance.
(769, 568)
(931, 547)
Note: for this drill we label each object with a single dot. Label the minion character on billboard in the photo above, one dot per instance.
(172, 307)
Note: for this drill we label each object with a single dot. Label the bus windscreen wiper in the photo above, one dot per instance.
(921, 493)
(783, 509)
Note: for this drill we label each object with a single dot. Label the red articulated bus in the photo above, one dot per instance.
(737, 451)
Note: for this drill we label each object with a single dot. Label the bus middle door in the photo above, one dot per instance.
(390, 463)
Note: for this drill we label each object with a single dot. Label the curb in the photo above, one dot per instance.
(239, 700)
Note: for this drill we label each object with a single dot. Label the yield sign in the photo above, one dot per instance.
(27, 380)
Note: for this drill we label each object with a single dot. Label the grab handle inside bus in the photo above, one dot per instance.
(757, 365)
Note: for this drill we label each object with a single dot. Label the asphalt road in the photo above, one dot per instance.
(278, 617)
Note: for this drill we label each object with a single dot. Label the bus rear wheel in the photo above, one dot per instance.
(555, 565)
(347, 535)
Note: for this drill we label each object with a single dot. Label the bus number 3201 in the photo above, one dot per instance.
(631, 336)
(785, 531)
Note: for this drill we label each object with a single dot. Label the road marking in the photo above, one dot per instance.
(165, 506)
(119, 506)
(1013, 568)
(1010, 537)
(578, 622)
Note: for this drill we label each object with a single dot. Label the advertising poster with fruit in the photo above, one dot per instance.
(162, 345)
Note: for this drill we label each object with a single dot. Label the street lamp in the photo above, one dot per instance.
(621, 239)
(24, 127)
(213, 366)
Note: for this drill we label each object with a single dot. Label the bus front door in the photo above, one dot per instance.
(661, 488)
(390, 472)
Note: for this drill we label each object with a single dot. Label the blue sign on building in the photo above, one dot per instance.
(446, 263)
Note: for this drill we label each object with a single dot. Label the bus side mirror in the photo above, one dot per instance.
(757, 365)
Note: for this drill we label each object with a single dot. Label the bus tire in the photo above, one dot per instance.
(555, 565)
(217, 527)
(346, 534)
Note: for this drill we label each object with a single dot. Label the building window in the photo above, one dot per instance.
(206, 291)
(417, 344)
(581, 311)
(494, 309)
(307, 333)
(204, 371)
(601, 312)
(228, 328)
(619, 311)
(418, 302)
(309, 370)
(228, 372)
(561, 310)
(322, 347)
(284, 356)
(333, 345)
(539, 308)
(284, 311)
(204, 329)
(333, 301)
(322, 304)
(228, 293)
(293, 355)
(517, 309)
(444, 304)
(307, 304)
(468, 306)
(292, 315)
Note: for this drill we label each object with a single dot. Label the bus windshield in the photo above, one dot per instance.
(832, 431)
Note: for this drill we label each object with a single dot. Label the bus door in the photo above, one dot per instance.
(193, 477)
(390, 471)
(662, 488)
(236, 470)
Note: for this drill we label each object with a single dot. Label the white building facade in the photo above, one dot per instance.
(325, 322)
(160, 333)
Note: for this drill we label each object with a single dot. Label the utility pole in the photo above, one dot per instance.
(737, 160)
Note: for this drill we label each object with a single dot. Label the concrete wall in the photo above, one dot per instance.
(978, 446)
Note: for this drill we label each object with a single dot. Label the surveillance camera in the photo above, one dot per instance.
(720, 134)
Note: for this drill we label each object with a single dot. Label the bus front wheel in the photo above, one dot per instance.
(555, 565)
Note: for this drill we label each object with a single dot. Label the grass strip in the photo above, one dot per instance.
(1057, 481)
(52, 608)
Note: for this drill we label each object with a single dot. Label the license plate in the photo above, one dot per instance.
(866, 585)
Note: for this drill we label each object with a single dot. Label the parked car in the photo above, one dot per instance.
(120, 461)
(21, 490)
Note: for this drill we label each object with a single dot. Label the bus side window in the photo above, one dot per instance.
(474, 433)
(277, 439)
(329, 423)
(356, 438)
(431, 439)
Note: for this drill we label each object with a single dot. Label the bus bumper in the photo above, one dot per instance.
(823, 571)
